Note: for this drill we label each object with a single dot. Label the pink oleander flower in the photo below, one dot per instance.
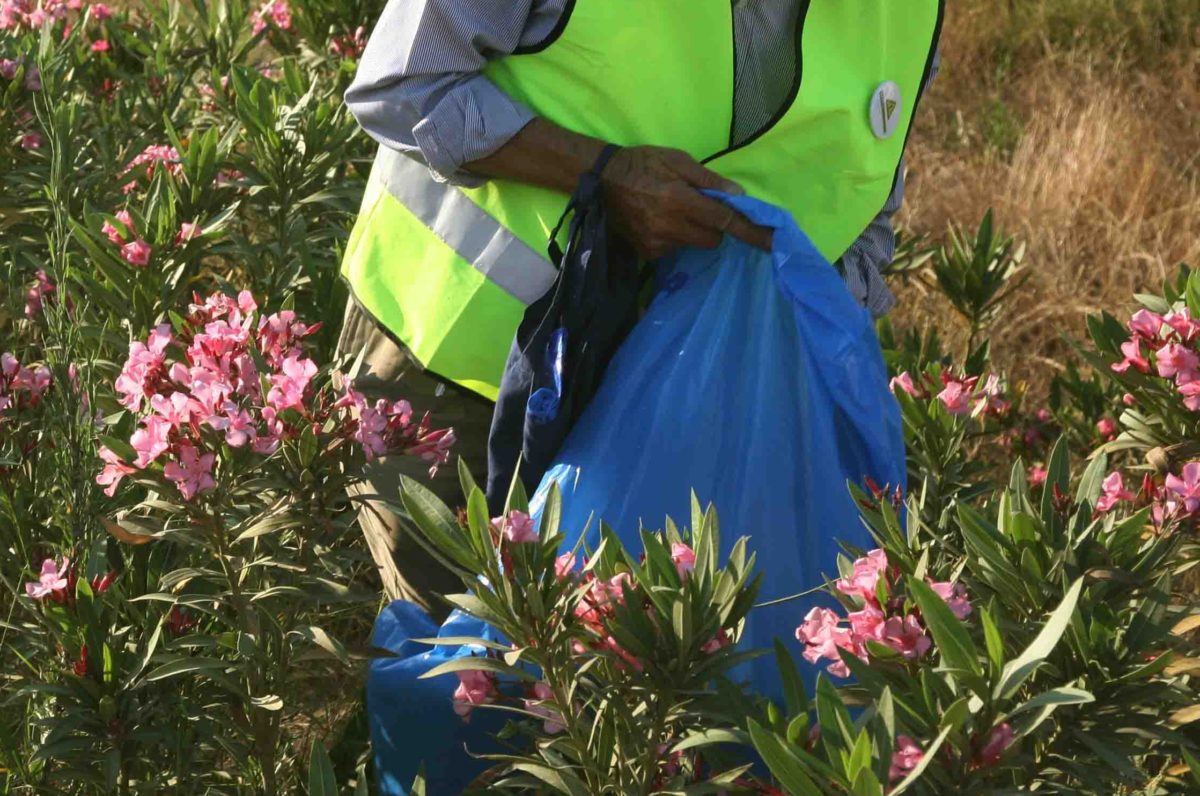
(238, 424)
(178, 409)
(717, 642)
(684, 559)
(541, 705)
(516, 528)
(136, 252)
(37, 296)
(188, 231)
(275, 12)
(154, 156)
(1128, 399)
(1183, 324)
(349, 46)
(1113, 491)
(1175, 360)
(907, 636)
(957, 394)
(101, 11)
(150, 440)
(1036, 476)
(1191, 394)
(955, 596)
(31, 141)
(864, 579)
(143, 368)
(865, 624)
(999, 739)
(822, 638)
(287, 390)
(1187, 487)
(1132, 350)
(1106, 427)
(192, 472)
(990, 399)
(905, 382)
(905, 758)
(1146, 325)
(114, 470)
(8, 66)
(475, 688)
(100, 46)
(564, 566)
(51, 579)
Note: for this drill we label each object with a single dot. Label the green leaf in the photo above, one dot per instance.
(436, 522)
(794, 697)
(1065, 695)
(1092, 481)
(321, 779)
(991, 636)
(949, 634)
(782, 761)
(1017, 671)
(477, 663)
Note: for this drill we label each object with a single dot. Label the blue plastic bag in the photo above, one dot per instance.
(756, 380)
(412, 720)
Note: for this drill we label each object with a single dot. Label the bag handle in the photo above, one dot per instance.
(586, 193)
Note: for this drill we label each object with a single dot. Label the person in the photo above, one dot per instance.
(486, 114)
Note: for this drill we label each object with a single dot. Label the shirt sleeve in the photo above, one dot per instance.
(863, 263)
(420, 89)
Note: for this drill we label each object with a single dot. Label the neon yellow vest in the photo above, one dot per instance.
(449, 271)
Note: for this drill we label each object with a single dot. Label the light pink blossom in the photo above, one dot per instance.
(475, 688)
(114, 470)
(1113, 491)
(906, 636)
(541, 705)
(1187, 487)
(136, 252)
(1175, 360)
(288, 386)
(1106, 427)
(51, 579)
(999, 739)
(864, 578)
(955, 596)
(1146, 324)
(1036, 476)
(516, 528)
(905, 382)
(905, 758)
(150, 440)
(188, 231)
(684, 559)
(1132, 351)
(191, 472)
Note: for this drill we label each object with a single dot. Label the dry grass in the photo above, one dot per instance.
(1082, 130)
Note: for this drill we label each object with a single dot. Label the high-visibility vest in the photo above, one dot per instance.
(449, 270)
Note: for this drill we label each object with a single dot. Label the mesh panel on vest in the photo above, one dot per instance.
(764, 34)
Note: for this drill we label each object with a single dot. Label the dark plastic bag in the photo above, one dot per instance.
(563, 344)
(756, 380)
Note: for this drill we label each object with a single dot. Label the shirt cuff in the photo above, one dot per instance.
(866, 284)
(470, 122)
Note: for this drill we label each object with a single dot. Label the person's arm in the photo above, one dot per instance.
(653, 193)
(420, 89)
(864, 262)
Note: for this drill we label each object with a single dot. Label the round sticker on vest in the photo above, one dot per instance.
(885, 110)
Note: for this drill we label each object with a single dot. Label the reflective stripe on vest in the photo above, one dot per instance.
(476, 237)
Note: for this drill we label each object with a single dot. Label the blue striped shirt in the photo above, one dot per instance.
(420, 89)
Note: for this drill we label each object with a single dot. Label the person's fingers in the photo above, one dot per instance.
(756, 236)
(698, 236)
(696, 175)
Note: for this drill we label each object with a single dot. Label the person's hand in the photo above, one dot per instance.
(654, 202)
